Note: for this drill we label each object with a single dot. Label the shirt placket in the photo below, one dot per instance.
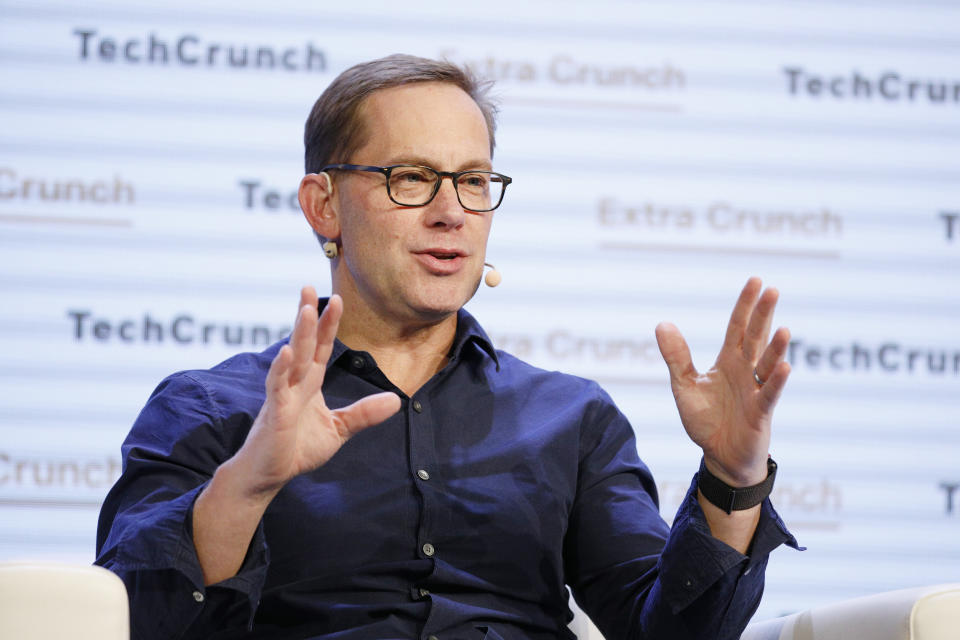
(424, 470)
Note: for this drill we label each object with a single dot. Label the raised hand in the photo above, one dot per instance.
(295, 432)
(724, 409)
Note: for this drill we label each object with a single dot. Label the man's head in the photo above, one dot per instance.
(403, 263)
(336, 128)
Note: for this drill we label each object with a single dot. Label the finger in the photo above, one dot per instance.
(675, 353)
(773, 387)
(327, 329)
(755, 336)
(308, 295)
(277, 376)
(774, 353)
(741, 313)
(303, 342)
(366, 412)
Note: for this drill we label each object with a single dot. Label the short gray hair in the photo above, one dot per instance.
(335, 129)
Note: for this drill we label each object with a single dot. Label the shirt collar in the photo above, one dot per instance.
(468, 331)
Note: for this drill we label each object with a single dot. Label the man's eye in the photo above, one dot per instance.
(474, 180)
(410, 176)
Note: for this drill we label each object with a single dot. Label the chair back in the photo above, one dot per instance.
(46, 601)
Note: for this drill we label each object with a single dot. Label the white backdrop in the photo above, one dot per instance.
(661, 152)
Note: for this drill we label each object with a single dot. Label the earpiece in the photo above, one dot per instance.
(330, 248)
(493, 277)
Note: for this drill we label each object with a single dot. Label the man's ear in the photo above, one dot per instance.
(318, 204)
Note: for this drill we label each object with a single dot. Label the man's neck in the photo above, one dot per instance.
(409, 354)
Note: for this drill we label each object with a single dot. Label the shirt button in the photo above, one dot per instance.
(424, 592)
(747, 572)
(198, 596)
(357, 362)
(422, 474)
(432, 638)
(428, 549)
(417, 406)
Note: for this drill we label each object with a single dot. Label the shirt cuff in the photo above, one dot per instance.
(172, 547)
(693, 560)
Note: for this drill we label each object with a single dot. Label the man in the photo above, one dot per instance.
(387, 474)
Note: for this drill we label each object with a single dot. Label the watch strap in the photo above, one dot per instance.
(730, 499)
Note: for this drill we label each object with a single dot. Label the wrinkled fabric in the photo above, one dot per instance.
(465, 515)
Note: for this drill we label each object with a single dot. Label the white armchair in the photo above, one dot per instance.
(45, 601)
(921, 613)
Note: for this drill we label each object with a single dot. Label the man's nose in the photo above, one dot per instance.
(445, 209)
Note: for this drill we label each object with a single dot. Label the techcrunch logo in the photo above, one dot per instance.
(888, 86)
(183, 329)
(258, 197)
(33, 188)
(889, 357)
(949, 488)
(951, 221)
(19, 472)
(190, 50)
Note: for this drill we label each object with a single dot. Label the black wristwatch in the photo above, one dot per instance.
(728, 498)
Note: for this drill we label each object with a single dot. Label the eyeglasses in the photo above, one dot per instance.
(414, 186)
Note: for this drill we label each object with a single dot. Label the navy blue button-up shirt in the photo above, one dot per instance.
(465, 515)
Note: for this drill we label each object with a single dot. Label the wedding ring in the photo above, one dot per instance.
(756, 377)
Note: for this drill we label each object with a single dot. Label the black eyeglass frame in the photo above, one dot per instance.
(453, 175)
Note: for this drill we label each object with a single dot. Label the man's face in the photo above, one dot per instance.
(414, 264)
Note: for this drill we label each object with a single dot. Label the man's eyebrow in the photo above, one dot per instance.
(482, 164)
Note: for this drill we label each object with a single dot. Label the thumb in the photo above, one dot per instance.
(366, 412)
(675, 352)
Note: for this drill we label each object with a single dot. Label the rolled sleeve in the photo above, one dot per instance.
(710, 581)
(638, 579)
(145, 533)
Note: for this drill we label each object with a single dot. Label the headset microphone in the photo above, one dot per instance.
(493, 277)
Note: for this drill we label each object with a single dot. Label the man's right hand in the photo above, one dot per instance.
(294, 432)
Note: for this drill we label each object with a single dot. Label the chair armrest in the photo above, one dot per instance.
(920, 613)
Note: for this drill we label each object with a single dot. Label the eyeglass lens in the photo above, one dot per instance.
(414, 186)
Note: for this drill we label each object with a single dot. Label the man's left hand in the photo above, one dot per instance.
(725, 410)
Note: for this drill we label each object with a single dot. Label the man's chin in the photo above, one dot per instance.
(440, 303)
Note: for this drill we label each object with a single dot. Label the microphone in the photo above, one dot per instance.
(493, 277)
